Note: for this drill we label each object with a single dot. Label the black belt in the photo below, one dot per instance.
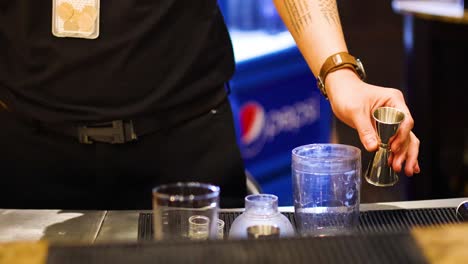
(117, 131)
(112, 132)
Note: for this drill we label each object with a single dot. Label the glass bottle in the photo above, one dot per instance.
(260, 210)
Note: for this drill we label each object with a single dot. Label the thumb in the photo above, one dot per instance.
(367, 133)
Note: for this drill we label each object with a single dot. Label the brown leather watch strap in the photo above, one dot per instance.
(338, 61)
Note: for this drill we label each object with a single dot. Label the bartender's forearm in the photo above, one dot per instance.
(316, 28)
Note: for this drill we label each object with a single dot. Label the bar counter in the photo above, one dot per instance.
(88, 227)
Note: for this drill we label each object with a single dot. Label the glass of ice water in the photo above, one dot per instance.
(326, 183)
(185, 211)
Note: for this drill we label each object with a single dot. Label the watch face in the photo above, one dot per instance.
(321, 86)
(360, 69)
(320, 82)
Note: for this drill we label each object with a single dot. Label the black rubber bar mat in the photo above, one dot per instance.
(358, 248)
(383, 221)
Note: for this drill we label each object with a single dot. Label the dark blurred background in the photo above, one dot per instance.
(423, 57)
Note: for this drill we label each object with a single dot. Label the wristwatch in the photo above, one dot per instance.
(338, 61)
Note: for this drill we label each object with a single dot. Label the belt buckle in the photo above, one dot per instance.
(114, 132)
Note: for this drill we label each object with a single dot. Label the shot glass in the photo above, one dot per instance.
(199, 226)
(326, 183)
(185, 211)
(220, 229)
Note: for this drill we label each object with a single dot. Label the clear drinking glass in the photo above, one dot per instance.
(326, 183)
(185, 211)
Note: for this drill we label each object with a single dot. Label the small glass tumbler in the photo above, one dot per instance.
(326, 183)
(198, 227)
(220, 229)
(185, 211)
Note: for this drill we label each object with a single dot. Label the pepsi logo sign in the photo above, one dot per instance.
(252, 121)
(257, 126)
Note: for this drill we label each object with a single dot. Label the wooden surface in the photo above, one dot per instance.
(23, 252)
(446, 244)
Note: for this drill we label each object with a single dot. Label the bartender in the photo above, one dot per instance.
(103, 100)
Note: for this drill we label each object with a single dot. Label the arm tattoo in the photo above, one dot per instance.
(299, 14)
(330, 11)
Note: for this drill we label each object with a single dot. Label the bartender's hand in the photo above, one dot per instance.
(353, 102)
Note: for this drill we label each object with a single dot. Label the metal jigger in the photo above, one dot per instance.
(379, 173)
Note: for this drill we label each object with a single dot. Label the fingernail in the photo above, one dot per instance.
(371, 141)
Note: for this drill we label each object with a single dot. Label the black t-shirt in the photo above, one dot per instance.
(152, 57)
